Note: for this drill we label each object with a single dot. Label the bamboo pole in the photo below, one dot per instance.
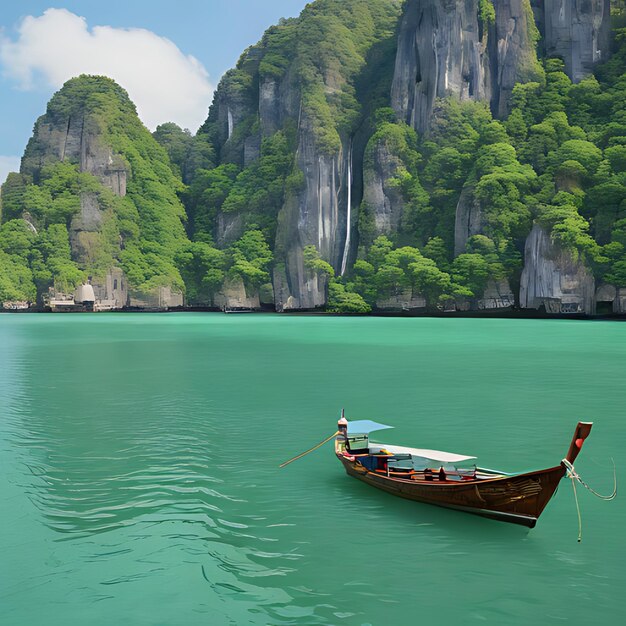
(319, 445)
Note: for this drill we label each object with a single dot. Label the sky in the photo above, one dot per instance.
(168, 55)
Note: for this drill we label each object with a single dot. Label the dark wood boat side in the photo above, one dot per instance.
(518, 499)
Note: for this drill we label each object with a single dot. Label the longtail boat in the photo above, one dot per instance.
(440, 478)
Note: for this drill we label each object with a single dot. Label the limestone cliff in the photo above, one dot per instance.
(440, 53)
(449, 49)
(316, 212)
(382, 197)
(577, 31)
(359, 118)
(554, 278)
(234, 295)
(296, 82)
(469, 219)
(75, 136)
(117, 173)
(317, 215)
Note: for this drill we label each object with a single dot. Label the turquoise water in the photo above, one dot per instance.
(139, 474)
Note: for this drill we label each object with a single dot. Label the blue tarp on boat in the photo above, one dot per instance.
(364, 427)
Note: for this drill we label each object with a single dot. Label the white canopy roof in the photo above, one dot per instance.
(433, 455)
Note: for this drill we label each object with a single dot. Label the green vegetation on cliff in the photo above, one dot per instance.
(558, 158)
(329, 44)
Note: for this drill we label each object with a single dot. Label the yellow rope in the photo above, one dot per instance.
(572, 472)
(319, 445)
(580, 521)
(599, 495)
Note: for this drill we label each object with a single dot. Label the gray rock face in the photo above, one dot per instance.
(301, 288)
(251, 149)
(90, 216)
(230, 108)
(85, 227)
(619, 304)
(498, 295)
(230, 227)
(406, 301)
(440, 53)
(160, 299)
(468, 221)
(318, 206)
(382, 199)
(606, 293)
(512, 51)
(613, 296)
(77, 140)
(552, 277)
(316, 216)
(235, 295)
(270, 102)
(578, 31)
(444, 50)
(269, 106)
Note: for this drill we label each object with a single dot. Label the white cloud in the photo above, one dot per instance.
(8, 164)
(165, 84)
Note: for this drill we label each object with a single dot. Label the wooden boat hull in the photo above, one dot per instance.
(516, 499)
